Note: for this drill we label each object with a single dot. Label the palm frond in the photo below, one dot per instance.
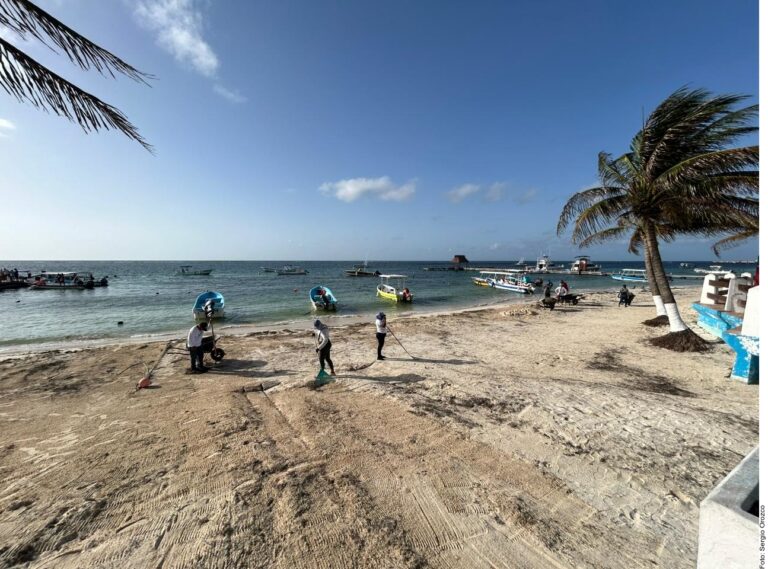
(25, 18)
(26, 79)
(580, 201)
(734, 240)
(604, 235)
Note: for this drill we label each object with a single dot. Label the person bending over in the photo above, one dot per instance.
(195, 347)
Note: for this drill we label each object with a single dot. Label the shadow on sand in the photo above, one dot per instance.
(247, 368)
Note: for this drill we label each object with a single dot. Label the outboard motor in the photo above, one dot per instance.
(209, 307)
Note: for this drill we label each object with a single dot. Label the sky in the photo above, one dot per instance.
(355, 129)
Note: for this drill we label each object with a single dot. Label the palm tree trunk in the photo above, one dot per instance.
(676, 323)
(651, 276)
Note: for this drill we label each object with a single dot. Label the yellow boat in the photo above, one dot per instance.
(480, 281)
(392, 287)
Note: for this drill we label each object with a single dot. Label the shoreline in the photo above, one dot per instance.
(75, 344)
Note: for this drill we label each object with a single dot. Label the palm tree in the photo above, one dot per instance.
(679, 177)
(27, 80)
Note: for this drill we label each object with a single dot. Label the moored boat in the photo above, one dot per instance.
(583, 266)
(717, 270)
(361, 271)
(504, 280)
(392, 287)
(209, 304)
(292, 270)
(321, 298)
(631, 275)
(65, 280)
(188, 271)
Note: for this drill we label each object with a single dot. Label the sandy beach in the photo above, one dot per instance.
(516, 437)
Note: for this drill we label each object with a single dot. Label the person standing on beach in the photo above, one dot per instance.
(195, 347)
(381, 332)
(324, 345)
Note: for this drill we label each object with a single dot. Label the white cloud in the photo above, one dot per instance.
(494, 247)
(5, 124)
(179, 28)
(229, 95)
(495, 192)
(461, 193)
(382, 188)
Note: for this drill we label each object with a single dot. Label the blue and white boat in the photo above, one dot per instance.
(631, 275)
(322, 298)
(505, 280)
(216, 300)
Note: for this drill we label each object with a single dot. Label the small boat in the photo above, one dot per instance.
(321, 298)
(268, 270)
(60, 280)
(504, 280)
(583, 266)
(631, 275)
(392, 287)
(292, 270)
(188, 271)
(521, 262)
(361, 271)
(686, 265)
(215, 301)
(717, 270)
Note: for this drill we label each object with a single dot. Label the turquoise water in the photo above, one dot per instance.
(150, 298)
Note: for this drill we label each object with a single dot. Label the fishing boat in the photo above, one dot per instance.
(631, 275)
(188, 271)
(217, 303)
(583, 266)
(361, 271)
(268, 269)
(321, 298)
(716, 270)
(392, 287)
(504, 280)
(292, 270)
(64, 280)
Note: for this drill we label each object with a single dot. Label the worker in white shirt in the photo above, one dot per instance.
(195, 347)
(323, 345)
(560, 293)
(381, 332)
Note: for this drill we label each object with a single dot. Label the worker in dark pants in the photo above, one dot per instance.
(324, 345)
(195, 347)
(381, 332)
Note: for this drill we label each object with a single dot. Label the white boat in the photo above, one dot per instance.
(188, 271)
(685, 265)
(392, 287)
(292, 270)
(505, 280)
(583, 266)
(631, 275)
(716, 270)
(521, 262)
(543, 266)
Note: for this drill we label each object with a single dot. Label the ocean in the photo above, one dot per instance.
(151, 299)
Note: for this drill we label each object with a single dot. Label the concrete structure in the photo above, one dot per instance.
(728, 521)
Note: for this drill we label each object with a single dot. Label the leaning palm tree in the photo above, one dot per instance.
(27, 80)
(679, 177)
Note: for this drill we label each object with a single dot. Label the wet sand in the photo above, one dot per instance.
(517, 437)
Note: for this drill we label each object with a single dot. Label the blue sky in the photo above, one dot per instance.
(354, 129)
